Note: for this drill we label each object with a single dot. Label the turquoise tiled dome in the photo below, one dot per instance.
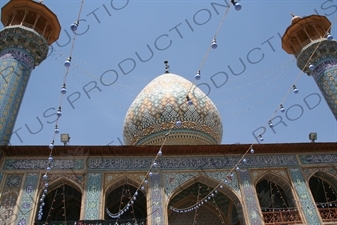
(163, 102)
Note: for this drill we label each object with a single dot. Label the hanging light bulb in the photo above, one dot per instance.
(155, 164)
(236, 5)
(244, 160)
(311, 67)
(282, 108)
(45, 177)
(59, 113)
(197, 76)
(237, 168)
(150, 173)
(51, 145)
(74, 26)
(48, 168)
(160, 152)
(67, 62)
(63, 89)
(329, 37)
(214, 44)
(56, 131)
(50, 159)
(261, 138)
(295, 89)
(178, 123)
(270, 123)
(252, 151)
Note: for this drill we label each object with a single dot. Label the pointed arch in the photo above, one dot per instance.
(323, 187)
(120, 181)
(283, 184)
(224, 204)
(328, 169)
(61, 181)
(120, 193)
(64, 197)
(277, 200)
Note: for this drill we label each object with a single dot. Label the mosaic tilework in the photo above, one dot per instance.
(315, 51)
(13, 81)
(318, 158)
(27, 202)
(251, 205)
(323, 55)
(21, 50)
(157, 202)
(162, 102)
(78, 178)
(233, 184)
(190, 163)
(308, 172)
(93, 196)
(27, 39)
(327, 83)
(173, 180)
(111, 178)
(256, 174)
(41, 164)
(308, 207)
(9, 198)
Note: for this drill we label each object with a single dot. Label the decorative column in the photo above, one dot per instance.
(307, 205)
(9, 196)
(21, 49)
(93, 195)
(250, 205)
(156, 200)
(309, 40)
(25, 212)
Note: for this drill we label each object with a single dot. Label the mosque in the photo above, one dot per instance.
(173, 168)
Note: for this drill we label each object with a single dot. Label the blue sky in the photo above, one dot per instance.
(114, 32)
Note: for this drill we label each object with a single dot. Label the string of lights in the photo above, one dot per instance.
(281, 74)
(67, 64)
(256, 104)
(287, 64)
(308, 64)
(79, 64)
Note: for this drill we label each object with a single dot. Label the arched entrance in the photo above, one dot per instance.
(124, 197)
(323, 189)
(62, 203)
(277, 201)
(216, 209)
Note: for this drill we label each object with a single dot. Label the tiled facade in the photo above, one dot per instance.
(22, 178)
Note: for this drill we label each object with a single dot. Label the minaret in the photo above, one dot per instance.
(30, 27)
(309, 40)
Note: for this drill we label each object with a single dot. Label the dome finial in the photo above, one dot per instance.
(167, 67)
(294, 18)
